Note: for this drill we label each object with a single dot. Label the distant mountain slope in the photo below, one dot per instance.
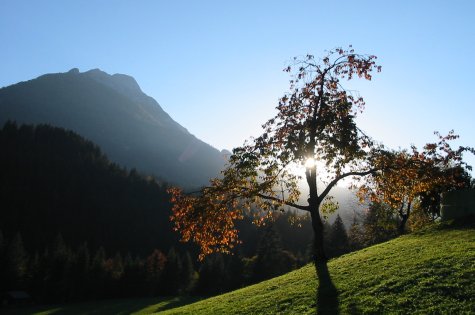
(112, 111)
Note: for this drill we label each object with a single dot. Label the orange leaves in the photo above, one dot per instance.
(208, 220)
(406, 175)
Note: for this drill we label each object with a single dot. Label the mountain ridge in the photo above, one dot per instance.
(112, 111)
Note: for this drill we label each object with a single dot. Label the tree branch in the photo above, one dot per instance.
(291, 204)
(340, 177)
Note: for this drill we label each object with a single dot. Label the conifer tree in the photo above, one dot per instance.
(271, 260)
(170, 280)
(235, 273)
(98, 273)
(16, 263)
(338, 241)
(35, 275)
(133, 281)
(188, 274)
(80, 271)
(211, 275)
(355, 235)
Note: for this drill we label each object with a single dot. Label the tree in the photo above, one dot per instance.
(403, 176)
(355, 235)
(212, 275)
(171, 280)
(315, 121)
(379, 224)
(338, 241)
(271, 259)
(154, 266)
(80, 271)
(16, 263)
(134, 278)
(60, 269)
(188, 275)
(97, 272)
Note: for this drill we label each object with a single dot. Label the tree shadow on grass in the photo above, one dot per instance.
(327, 294)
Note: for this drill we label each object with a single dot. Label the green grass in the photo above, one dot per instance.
(431, 272)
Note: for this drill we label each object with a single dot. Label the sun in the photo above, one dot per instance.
(310, 163)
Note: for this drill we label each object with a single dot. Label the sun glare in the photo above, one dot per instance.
(309, 163)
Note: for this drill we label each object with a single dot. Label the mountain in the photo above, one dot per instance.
(113, 112)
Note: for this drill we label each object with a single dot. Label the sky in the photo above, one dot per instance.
(216, 66)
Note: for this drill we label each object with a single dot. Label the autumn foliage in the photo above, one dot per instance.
(315, 120)
(405, 175)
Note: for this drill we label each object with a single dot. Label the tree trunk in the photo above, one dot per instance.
(314, 202)
(404, 218)
(317, 225)
(402, 224)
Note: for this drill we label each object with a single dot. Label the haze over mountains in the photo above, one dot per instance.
(112, 111)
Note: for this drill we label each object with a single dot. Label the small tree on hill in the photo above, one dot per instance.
(315, 121)
(403, 176)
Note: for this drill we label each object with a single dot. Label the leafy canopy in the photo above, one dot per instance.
(315, 120)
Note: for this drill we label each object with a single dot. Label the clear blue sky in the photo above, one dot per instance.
(216, 66)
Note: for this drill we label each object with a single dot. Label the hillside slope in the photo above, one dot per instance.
(430, 272)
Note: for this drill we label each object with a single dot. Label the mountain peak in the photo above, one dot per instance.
(122, 83)
(74, 71)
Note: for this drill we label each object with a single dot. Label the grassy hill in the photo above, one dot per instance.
(430, 272)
